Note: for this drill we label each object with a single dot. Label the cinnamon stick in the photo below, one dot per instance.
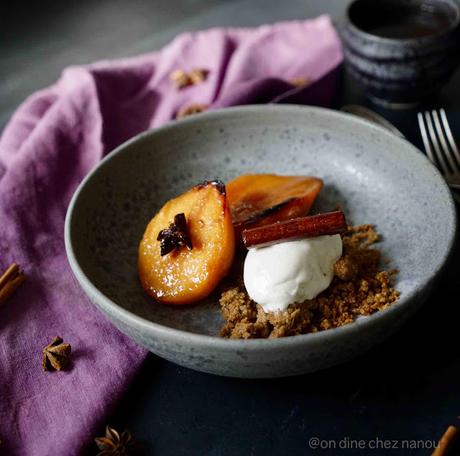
(328, 223)
(10, 281)
(9, 274)
(446, 442)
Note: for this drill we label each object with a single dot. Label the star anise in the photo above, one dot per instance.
(182, 79)
(299, 82)
(175, 236)
(56, 355)
(198, 75)
(189, 110)
(116, 444)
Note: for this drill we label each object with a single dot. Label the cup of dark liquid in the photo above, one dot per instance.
(402, 51)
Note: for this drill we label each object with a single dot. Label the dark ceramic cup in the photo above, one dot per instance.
(402, 51)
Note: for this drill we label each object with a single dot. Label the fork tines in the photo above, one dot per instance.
(439, 142)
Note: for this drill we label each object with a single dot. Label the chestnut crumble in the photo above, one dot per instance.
(359, 288)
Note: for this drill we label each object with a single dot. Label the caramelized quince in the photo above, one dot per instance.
(199, 251)
(262, 199)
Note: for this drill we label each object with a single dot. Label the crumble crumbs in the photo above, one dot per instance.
(358, 288)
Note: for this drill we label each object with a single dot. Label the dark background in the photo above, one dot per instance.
(408, 388)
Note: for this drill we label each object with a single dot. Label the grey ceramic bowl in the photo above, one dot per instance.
(394, 70)
(375, 176)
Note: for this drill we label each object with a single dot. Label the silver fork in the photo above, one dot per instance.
(440, 146)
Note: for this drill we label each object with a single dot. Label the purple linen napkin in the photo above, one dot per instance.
(53, 140)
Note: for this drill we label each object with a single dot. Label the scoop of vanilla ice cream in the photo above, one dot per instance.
(282, 274)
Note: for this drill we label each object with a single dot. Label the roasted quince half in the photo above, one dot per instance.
(188, 247)
(262, 199)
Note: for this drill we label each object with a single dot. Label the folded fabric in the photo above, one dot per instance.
(53, 140)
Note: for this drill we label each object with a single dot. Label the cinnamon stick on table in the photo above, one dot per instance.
(446, 442)
(327, 223)
(10, 281)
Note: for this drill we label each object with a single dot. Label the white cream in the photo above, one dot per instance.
(282, 274)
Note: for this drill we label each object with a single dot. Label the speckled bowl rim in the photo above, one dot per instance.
(404, 41)
(165, 332)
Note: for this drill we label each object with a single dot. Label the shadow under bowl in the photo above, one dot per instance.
(375, 176)
(402, 52)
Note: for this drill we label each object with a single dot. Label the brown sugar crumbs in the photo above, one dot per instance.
(359, 288)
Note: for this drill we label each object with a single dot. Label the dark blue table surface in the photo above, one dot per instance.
(403, 393)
